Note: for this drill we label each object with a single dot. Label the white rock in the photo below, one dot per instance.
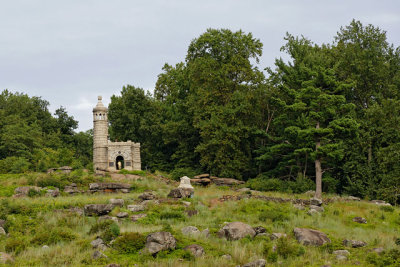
(185, 183)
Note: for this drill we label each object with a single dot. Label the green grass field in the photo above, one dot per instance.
(32, 222)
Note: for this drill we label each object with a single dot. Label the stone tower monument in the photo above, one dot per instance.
(107, 155)
(100, 136)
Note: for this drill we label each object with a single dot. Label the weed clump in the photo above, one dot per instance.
(289, 248)
(53, 236)
(108, 230)
(129, 243)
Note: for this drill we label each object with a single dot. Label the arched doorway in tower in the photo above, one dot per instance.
(119, 163)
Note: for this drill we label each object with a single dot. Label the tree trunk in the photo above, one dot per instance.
(318, 170)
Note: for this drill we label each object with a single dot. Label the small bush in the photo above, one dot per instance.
(16, 244)
(264, 184)
(50, 181)
(100, 226)
(136, 172)
(108, 230)
(288, 248)
(274, 215)
(177, 173)
(387, 208)
(175, 215)
(53, 236)
(129, 243)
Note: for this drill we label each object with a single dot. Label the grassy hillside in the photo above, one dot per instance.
(34, 221)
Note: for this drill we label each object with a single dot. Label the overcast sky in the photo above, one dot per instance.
(70, 51)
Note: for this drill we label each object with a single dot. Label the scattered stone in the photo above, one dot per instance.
(310, 237)
(159, 241)
(97, 255)
(343, 252)
(341, 257)
(257, 263)
(98, 243)
(98, 209)
(351, 198)
(72, 189)
(359, 220)
(354, 243)
(275, 236)
(136, 217)
(117, 202)
(23, 191)
(2, 231)
(310, 193)
(202, 181)
(136, 208)
(147, 196)
(190, 230)
(106, 217)
(52, 192)
(380, 202)
(317, 208)
(191, 213)
(5, 258)
(200, 176)
(205, 233)
(315, 201)
(378, 250)
(195, 249)
(122, 214)
(226, 181)
(236, 230)
(185, 183)
(259, 230)
(186, 203)
(45, 247)
(109, 187)
(243, 190)
(299, 206)
(312, 212)
(227, 257)
(181, 193)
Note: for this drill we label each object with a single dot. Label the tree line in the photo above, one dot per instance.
(329, 116)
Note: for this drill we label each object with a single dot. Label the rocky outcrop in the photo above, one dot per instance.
(205, 179)
(98, 209)
(354, 243)
(202, 181)
(122, 215)
(52, 192)
(109, 187)
(226, 181)
(236, 230)
(99, 244)
(147, 196)
(98, 255)
(257, 263)
(159, 241)
(310, 237)
(64, 169)
(259, 230)
(72, 189)
(23, 191)
(181, 193)
(359, 220)
(136, 208)
(195, 249)
(380, 202)
(117, 202)
(316, 202)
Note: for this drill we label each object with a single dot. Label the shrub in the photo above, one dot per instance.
(174, 214)
(177, 173)
(387, 208)
(53, 236)
(108, 230)
(136, 172)
(129, 243)
(100, 226)
(288, 248)
(397, 241)
(50, 180)
(16, 244)
(274, 215)
(265, 184)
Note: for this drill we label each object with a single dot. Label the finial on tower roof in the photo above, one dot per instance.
(99, 98)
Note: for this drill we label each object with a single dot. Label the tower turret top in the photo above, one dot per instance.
(99, 106)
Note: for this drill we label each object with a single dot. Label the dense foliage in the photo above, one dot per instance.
(32, 139)
(329, 115)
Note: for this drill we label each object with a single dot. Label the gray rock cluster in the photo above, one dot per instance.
(109, 187)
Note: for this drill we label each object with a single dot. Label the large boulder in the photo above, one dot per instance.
(354, 243)
(72, 189)
(226, 181)
(315, 201)
(185, 183)
(136, 208)
(159, 241)
(52, 192)
(98, 209)
(236, 230)
(310, 237)
(195, 249)
(24, 190)
(181, 193)
(202, 181)
(117, 202)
